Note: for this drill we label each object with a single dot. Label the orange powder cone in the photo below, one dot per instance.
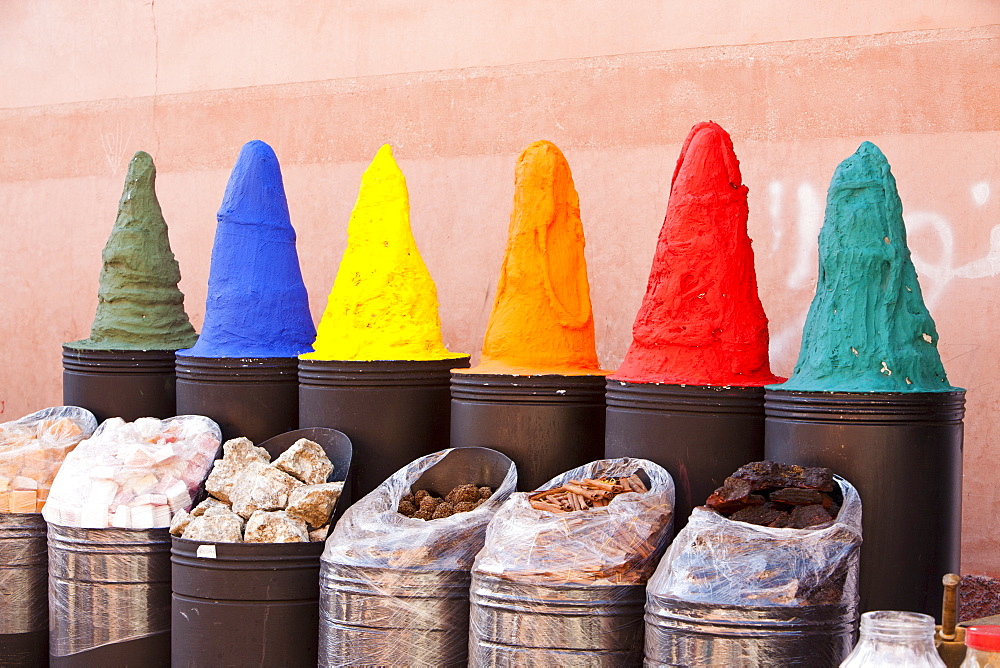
(542, 322)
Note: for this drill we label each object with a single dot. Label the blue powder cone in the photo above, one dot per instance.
(257, 304)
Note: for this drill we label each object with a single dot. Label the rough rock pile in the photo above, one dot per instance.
(255, 500)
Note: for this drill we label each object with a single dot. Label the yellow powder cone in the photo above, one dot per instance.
(542, 322)
(383, 305)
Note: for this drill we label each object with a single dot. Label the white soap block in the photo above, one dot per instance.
(23, 500)
(142, 484)
(102, 472)
(161, 516)
(103, 492)
(142, 517)
(136, 455)
(162, 453)
(178, 497)
(23, 482)
(122, 517)
(147, 427)
(94, 516)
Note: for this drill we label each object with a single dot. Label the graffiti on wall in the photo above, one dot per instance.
(796, 216)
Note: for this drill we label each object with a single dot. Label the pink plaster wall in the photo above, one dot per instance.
(460, 88)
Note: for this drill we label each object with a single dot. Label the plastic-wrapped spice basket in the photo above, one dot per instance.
(109, 551)
(31, 451)
(567, 587)
(394, 590)
(729, 593)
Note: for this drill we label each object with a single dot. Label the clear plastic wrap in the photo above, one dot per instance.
(394, 589)
(31, 451)
(131, 475)
(798, 585)
(108, 587)
(617, 544)
(716, 560)
(568, 588)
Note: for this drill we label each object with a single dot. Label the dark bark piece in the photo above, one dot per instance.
(771, 475)
(807, 516)
(732, 496)
(781, 521)
(797, 497)
(759, 515)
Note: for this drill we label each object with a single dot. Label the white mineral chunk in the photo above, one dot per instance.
(275, 527)
(209, 503)
(262, 488)
(306, 461)
(242, 451)
(223, 477)
(319, 534)
(180, 522)
(314, 503)
(221, 528)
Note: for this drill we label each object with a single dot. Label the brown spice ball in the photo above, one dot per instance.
(429, 503)
(423, 514)
(485, 492)
(406, 508)
(408, 497)
(465, 506)
(419, 495)
(463, 493)
(443, 509)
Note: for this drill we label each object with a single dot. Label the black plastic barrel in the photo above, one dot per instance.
(700, 434)
(24, 608)
(514, 624)
(393, 411)
(903, 452)
(129, 384)
(410, 614)
(255, 397)
(250, 604)
(109, 597)
(547, 424)
(685, 633)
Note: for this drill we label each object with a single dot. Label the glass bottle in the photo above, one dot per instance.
(982, 647)
(890, 638)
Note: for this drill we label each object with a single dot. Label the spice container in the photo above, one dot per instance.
(394, 589)
(736, 593)
(561, 578)
(890, 638)
(982, 647)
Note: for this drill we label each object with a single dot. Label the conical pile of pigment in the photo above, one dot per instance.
(867, 329)
(542, 322)
(139, 306)
(701, 321)
(383, 305)
(257, 304)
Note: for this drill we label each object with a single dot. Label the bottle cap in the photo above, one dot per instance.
(984, 638)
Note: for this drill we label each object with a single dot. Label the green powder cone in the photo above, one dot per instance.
(139, 305)
(868, 329)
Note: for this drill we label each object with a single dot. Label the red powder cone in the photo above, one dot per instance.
(701, 321)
